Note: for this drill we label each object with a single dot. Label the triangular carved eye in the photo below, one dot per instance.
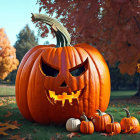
(48, 70)
(79, 69)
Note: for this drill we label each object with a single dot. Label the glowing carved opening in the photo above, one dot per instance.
(64, 97)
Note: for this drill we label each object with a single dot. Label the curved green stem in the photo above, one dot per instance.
(84, 117)
(62, 35)
(127, 112)
(112, 118)
(100, 112)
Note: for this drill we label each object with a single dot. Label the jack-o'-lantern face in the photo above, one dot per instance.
(58, 82)
(64, 81)
(66, 92)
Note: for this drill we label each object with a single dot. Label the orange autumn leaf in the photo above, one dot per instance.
(8, 114)
(16, 123)
(10, 126)
(3, 133)
(3, 124)
(72, 134)
(6, 126)
(1, 104)
(17, 137)
(105, 134)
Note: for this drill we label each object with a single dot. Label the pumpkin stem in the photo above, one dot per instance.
(62, 35)
(127, 112)
(100, 112)
(84, 117)
(112, 118)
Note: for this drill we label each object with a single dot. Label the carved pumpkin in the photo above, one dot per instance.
(86, 126)
(129, 124)
(58, 82)
(73, 124)
(100, 120)
(113, 127)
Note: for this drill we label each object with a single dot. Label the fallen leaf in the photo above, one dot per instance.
(8, 114)
(3, 133)
(1, 104)
(59, 136)
(72, 134)
(6, 126)
(106, 134)
(16, 123)
(52, 138)
(103, 134)
(3, 124)
(14, 137)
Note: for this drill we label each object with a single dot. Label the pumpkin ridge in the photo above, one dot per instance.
(51, 59)
(99, 79)
(75, 59)
(84, 108)
(39, 56)
(25, 58)
(27, 80)
(98, 75)
(69, 56)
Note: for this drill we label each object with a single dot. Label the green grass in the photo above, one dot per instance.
(7, 90)
(42, 132)
(122, 94)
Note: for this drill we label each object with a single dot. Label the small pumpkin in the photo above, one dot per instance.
(129, 124)
(73, 124)
(100, 120)
(86, 126)
(113, 127)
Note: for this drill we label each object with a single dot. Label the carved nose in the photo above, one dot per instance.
(63, 84)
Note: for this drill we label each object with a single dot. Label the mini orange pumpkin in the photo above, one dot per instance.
(100, 120)
(113, 127)
(86, 126)
(58, 82)
(129, 124)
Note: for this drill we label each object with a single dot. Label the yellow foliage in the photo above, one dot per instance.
(8, 61)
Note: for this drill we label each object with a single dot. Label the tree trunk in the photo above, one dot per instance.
(138, 92)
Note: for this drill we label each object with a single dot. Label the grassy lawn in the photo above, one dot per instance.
(7, 90)
(34, 131)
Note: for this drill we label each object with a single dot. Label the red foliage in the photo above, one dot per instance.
(112, 25)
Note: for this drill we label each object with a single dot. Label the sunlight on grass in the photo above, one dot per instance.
(122, 94)
(7, 90)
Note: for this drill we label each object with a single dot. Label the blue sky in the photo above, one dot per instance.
(15, 14)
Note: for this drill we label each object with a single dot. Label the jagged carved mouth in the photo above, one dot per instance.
(54, 98)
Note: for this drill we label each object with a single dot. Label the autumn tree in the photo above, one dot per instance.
(113, 26)
(26, 39)
(8, 61)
